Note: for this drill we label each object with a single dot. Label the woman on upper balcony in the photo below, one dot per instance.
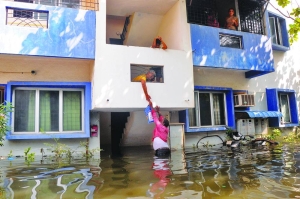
(232, 22)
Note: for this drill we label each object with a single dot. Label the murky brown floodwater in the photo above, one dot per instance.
(193, 173)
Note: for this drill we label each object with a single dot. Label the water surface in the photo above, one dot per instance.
(264, 172)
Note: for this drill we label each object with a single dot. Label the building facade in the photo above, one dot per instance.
(67, 68)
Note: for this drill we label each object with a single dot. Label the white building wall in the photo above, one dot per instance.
(112, 86)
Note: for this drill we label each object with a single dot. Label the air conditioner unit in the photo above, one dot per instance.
(243, 100)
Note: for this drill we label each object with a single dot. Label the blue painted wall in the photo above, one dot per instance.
(70, 33)
(255, 58)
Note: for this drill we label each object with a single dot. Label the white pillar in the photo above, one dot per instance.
(176, 138)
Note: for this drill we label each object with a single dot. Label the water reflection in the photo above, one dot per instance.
(162, 171)
(194, 173)
(48, 181)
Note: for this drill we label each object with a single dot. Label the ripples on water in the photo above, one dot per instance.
(193, 173)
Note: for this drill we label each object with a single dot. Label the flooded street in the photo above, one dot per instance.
(194, 173)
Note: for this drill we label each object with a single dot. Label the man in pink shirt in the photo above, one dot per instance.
(160, 133)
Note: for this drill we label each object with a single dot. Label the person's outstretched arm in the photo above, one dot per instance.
(148, 98)
(161, 118)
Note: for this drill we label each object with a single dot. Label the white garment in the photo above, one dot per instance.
(159, 143)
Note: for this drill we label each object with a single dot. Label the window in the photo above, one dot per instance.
(138, 70)
(209, 110)
(28, 18)
(231, 41)
(47, 110)
(213, 110)
(278, 32)
(284, 107)
(283, 100)
(275, 30)
(1, 94)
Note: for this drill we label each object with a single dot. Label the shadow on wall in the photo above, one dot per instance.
(71, 33)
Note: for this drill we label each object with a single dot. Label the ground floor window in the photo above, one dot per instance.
(283, 100)
(41, 110)
(284, 107)
(210, 109)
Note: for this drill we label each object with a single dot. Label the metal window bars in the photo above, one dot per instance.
(251, 16)
(205, 12)
(26, 17)
(76, 4)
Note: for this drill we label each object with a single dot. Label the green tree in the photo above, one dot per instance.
(293, 14)
(5, 109)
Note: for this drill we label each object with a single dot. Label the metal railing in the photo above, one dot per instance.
(26, 18)
(205, 12)
(77, 4)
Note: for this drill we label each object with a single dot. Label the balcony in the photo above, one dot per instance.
(137, 23)
(254, 56)
(215, 45)
(31, 29)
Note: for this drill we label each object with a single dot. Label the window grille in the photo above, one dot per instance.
(27, 18)
(77, 4)
(251, 16)
(231, 41)
(201, 12)
(206, 12)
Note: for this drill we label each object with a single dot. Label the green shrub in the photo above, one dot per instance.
(5, 109)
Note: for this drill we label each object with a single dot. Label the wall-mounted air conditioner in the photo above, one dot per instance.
(243, 100)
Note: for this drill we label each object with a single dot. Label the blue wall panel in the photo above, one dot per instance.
(256, 54)
(70, 33)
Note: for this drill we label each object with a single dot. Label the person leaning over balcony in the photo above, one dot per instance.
(143, 78)
(160, 133)
(159, 43)
(232, 22)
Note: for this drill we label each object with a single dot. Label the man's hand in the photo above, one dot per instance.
(157, 108)
(148, 98)
(150, 104)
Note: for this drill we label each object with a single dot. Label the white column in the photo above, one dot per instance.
(176, 137)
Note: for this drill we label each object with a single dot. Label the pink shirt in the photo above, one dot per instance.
(160, 130)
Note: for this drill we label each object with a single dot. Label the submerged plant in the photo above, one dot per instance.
(5, 109)
(275, 133)
(293, 136)
(29, 157)
(89, 153)
(26, 151)
(10, 155)
(59, 149)
(229, 133)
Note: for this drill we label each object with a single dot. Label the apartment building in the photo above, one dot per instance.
(67, 68)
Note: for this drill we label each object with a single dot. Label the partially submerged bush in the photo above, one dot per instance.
(275, 134)
(5, 109)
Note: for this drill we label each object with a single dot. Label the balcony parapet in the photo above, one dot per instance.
(254, 55)
(31, 29)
